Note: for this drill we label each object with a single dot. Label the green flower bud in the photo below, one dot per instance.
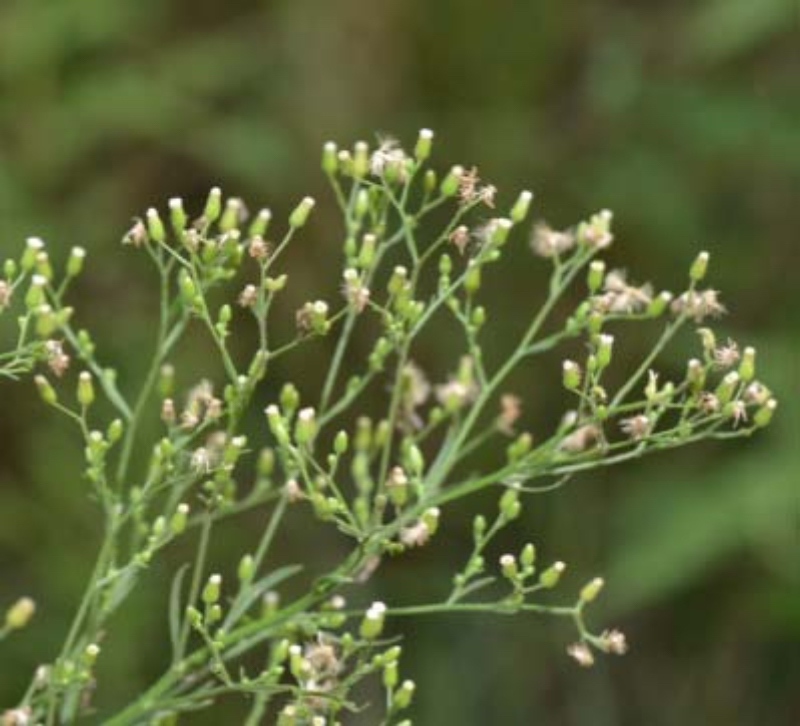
(360, 159)
(398, 280)
(478, 527)
(695, 375)
(764, 415)
(214, 614)
(287, 716)
(35, 296)
(595, 322)
(187, 288)
(179, 519)
(306, 427)
(155, 227)
(605, 345)
(232, 215)
(260, 224)
(366, 255)
(115, 431)
(33, 247)
(472, 279)
(747, 368)
(194, 616)
(659, 304)
(508, 566)
(521, 207)
(77, 256)
(550, 577)
(299, 216)
(46, 321)
(46, 391)
(452, 181)
(499, 232)
(362, 204)
(340, 443)
(510, 507)
(246, 569)
(211, 591)
(159, 525)
(177, 216)
(225, 315)
(571, 375)
(290, 399)
(699, 267)
(213, 206)
(373, 621)
(415, 460)
(424, 144)
(390, 675)
(90, 654)
(429, 181)
(20, 613)
(85, 389)
(330, 162)
(591, 590)
(402, 696)
(521, 446)
(597, 271)
(276, 284)
(727, 387)
(430, 518)
(528, 556)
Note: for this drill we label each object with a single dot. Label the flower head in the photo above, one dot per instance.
(548, 242)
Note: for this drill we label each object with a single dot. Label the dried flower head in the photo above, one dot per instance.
(510, 411)
(389, 156)
(136, 235)
(581, 654)
(57, 359)
(727, 355)
(5, 294)
(258, 248)
(614, 641)
(415, 392)
(248, 296)
(294, 492)
(416, 534)
(548, 242)
(620, 297)
(738, 412)
(757, 394)
(460, 237)
(698, 305)
(581, 439)
(636, 427)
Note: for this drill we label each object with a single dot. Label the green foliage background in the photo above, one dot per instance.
(681, 116)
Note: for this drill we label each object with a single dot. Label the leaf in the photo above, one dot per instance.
(175, 609)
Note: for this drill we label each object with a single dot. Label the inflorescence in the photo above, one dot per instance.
(384, 482)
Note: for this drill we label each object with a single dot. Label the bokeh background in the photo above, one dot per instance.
(680, 116)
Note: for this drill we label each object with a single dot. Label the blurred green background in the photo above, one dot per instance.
(683, 117)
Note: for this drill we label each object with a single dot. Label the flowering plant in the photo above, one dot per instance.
(382, 481)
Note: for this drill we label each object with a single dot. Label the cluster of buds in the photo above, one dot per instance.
(313, 318)
(355, 291)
